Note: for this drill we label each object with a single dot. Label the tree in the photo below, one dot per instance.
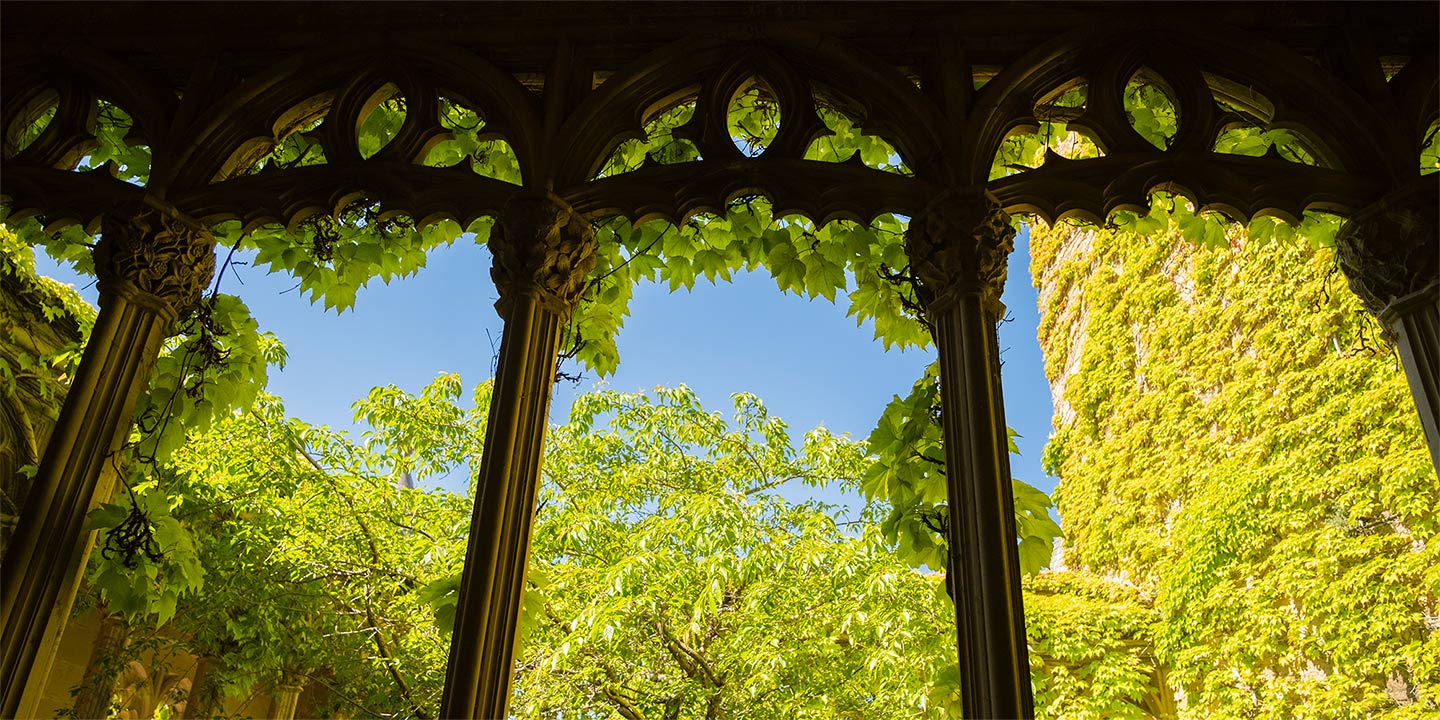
(662, 556)
(668, 577)
(675, 583)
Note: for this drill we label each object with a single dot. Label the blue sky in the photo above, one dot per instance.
(809, 362)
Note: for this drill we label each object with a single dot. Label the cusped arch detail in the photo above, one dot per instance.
(792, 64)
(1347, 132)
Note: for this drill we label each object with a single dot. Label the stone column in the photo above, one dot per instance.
(287, 697)
(205, 699)
(958, 249)
(543, 251)
(152, 269)
(1390, 253)
(106, 659)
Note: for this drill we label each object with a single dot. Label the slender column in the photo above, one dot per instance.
(106, 658)
(287, 697)
(958, 249)
(206, 697)
(1390, 253)
(152, 269)
(543, 250)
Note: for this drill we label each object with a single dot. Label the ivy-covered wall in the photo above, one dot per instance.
(41, 326)
(1236, 440)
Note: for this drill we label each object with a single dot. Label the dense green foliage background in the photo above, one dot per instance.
(1241, 446)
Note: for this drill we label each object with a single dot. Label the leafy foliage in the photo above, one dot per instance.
(1092, 649)
(205, 374)
(678, 584)
(909, 475)
(56, 303)
(1430, 150)
(1151, 111)
(1234, 438)
(127, 162)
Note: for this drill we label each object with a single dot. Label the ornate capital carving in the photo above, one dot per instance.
(959, 246)
(544, 248)
(1390, 251)
(154, 259)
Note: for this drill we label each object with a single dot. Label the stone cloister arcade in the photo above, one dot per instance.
(213, 87)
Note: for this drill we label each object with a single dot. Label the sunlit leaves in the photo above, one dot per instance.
(1173, 215)
(314, 553)
(1240, 445)
(469, 142)
(908, 473)
(218, 365)
(31, 131)
(839, 262)
(675, 573)
(334, 259)
(753, 119)
(1251, 140)
(131, 163)
(186, 394)
(1151, 111)
(1027, 150)
(298, 149)
(659, 143)
(1430, 150)
(141, 585)
(845, 139)
(381, 125)
(1092, 650)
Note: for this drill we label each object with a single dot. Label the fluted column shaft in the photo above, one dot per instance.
(287, 697)
(543, 251)
(958, 248)
(152, 268)
(1390, 253)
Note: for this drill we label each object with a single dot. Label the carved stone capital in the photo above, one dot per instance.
(544, 248)
(959, 246)
(1390, 251)
(154, 259)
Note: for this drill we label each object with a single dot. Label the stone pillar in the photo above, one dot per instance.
(958, 249)
(1390, 253)
(106, 659)
(543, 251)
(152, 269)
(205, 698)
(287, 697)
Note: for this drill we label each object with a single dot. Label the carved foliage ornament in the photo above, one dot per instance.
(155, 259)
(1391, 250)
(959, 246)
(542, 247)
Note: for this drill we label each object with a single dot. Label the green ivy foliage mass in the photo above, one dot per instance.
(1235, 438)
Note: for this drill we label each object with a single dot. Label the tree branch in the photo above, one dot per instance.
(390, 662)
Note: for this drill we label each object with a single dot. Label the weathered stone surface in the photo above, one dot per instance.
(154, 259)
(541, 247)
(960, 245)
(1391, 250)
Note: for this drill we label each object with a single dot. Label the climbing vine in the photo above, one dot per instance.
(1229, 441)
